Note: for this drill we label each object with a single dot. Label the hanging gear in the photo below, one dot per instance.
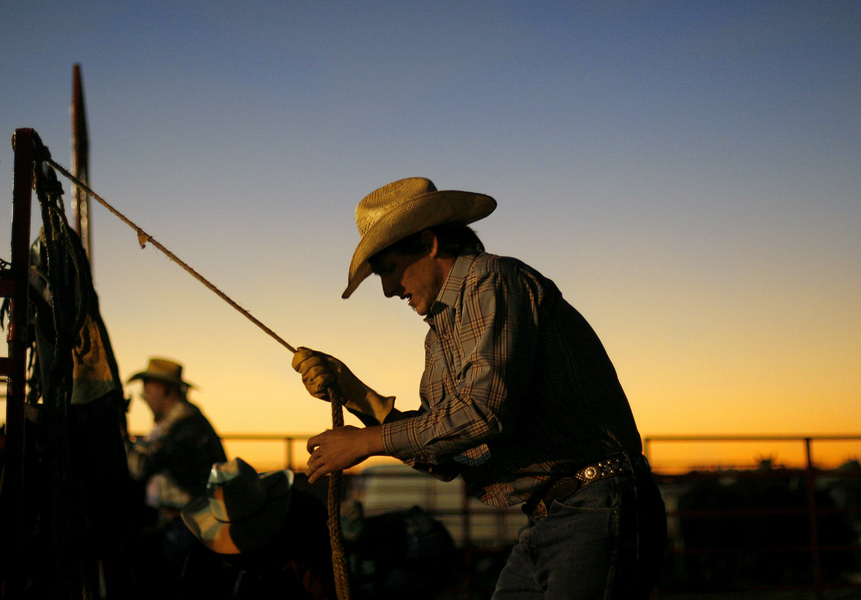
(334, 494)
(75, 532)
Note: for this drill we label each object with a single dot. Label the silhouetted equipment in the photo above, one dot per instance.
(34, 166)
(66, 486)
(14, 287)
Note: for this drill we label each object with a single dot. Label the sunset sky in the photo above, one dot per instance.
(688, 173)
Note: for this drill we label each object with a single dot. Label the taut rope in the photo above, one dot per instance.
(144, 239)
(339, 559)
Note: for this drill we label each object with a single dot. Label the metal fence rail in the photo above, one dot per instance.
(802, 510)
(764, 527)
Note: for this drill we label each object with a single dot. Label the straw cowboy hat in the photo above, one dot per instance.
(405, 207)
(241, 510)
(162, 369)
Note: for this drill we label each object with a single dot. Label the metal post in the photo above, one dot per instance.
(289, 441)
(466, 518)
(24, 143)
(810, 476)
(80, 161)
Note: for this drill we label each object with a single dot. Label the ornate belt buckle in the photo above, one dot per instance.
(590, 473)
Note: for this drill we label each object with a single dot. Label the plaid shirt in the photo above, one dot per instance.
(517, 386)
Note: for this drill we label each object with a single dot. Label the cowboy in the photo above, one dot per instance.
(172, 462)
(260, 537)
(518, 397)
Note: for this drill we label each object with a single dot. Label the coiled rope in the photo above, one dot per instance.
(339, 558)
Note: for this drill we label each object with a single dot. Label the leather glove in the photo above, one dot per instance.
(320, 372)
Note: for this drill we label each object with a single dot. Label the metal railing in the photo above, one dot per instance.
(478, 528)
(807, 442)
(294, 446)
(759, 495)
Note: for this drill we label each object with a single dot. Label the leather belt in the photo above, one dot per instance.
(563, 487)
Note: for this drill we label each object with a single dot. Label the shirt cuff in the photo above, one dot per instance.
(400, 442)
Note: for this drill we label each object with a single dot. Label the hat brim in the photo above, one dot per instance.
(246, 534)
(413, 216)
(144, 375)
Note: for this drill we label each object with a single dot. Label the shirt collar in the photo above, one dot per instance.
(453, 283)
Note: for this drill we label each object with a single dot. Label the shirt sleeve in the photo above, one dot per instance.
(488, 349)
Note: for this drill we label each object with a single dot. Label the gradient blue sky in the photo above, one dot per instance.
(689, 173)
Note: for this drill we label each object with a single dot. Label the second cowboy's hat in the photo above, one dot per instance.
(405, 207)
(241, 510)
(162, 369)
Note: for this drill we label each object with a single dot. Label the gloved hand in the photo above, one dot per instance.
(320, 372)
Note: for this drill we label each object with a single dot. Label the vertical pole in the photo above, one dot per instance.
(466, 517)
(80, 161)
(816, 559)
(289, 441)
(12, 491)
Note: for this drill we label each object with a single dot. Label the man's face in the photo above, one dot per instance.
(155, 395)
(417, 278)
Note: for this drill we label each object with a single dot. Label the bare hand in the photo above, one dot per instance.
(341, 448)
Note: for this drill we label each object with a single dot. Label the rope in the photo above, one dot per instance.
(144, 238)
(339, 559)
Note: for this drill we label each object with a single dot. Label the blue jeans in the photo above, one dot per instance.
(606, 541)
